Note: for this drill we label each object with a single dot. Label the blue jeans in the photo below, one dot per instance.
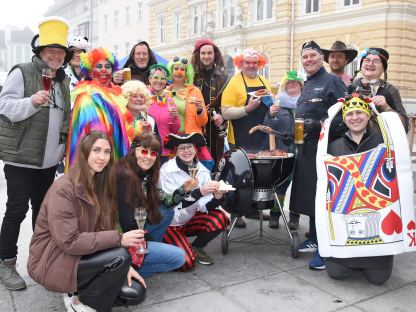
(158, 230)
(161, 257)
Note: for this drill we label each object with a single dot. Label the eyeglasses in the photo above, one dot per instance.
(183, 61)
(160, 78)
(100, 66)
(77, 51)
(183, 148)
(369, 61)
(146, 152)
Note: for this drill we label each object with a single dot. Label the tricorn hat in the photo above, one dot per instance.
(340, 46)
(173, 140)
(53, 32)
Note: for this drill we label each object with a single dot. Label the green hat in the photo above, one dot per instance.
(160, 66)
(291, 75)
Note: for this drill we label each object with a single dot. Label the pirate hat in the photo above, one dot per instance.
(173, 140)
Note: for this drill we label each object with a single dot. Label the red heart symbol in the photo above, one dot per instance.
(411, 225)
(359, 184)
(343, 161)
(350, 166)
(392, 223)
(355, 174)
(365, 193)
(372, 199)
(382, 203)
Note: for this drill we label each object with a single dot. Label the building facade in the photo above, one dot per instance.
(14, 47)
(277, 28)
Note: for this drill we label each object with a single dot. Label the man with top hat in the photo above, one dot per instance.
(211, 78)
(196, 198)
(33, 131)
(245, 102)
(321, 91)
(339, 56)
(359, 138)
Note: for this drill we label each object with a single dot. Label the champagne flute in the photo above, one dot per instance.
(46, 79)
(140, 215)
(170, 107)
(193, 171)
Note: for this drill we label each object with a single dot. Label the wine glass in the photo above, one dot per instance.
(140, 215)
(170, 107)
(193, 170)
(46, 79)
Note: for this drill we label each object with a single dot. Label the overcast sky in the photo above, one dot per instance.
(23, 13)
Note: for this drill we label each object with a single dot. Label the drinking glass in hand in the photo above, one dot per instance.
(46, 79)
(140, 215)
(193, 170)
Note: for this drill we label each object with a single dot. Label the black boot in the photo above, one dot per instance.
(274, 220)
(293, 220)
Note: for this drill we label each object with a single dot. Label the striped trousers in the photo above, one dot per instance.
(214, 222)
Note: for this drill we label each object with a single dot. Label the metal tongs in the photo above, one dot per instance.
(268, 130)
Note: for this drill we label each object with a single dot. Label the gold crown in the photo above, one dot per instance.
(355, 104)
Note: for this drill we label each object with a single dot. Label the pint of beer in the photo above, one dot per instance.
(298, 130)
(127, 74)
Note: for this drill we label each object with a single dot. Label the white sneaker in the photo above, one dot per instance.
(80, 307)
(67, 300)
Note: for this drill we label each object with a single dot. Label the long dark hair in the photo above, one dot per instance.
(218, 60)
(133, 178)
(99, 188)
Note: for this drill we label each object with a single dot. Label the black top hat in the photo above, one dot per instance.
(340, 46)
(173, 140)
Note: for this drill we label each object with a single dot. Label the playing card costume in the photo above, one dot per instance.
(364, 199)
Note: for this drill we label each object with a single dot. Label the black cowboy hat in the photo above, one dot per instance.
(173, 140)
(340, 46)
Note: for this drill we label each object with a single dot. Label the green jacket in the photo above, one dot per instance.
(24, 142)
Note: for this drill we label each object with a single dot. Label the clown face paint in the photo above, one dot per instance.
(102, 72)
(178, 71)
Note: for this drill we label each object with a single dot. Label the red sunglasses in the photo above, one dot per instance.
(145, 152)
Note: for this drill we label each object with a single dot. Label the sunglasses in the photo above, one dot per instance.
(146, 152)
(183, 61)
(160, 78)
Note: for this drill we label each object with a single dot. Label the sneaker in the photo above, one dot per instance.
(78, 307)
(68, 299)
(240, 223)
(317, 262)
(9, 277)
(308, 246)
(202, 257)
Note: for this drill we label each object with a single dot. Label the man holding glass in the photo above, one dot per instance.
(321, 91)
(34, 119)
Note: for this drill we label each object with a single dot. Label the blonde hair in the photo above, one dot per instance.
(136, 87)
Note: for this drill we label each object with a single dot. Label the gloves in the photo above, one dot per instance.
(311, 125)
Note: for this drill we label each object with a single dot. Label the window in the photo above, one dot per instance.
(115, 19)
(105, 22)
(196, 19)
(161, 29)
(264, 10)
(127, 15)
(311, 6)
(227, 17)
(84, 29)
(140, 11)
(176, 24)
(351, 2)
(352, 67)
(127, 46)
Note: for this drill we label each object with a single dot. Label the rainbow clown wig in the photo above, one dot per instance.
(89, 59)
(189, 69)
(249, 53)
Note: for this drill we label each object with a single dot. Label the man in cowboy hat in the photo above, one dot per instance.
(34, 124)
(339, 56)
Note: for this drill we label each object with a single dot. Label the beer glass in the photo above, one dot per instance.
(299, 131)
(126, 74)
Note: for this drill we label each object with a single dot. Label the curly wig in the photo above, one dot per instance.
(89, 59)
(136, 87)
(238, 60)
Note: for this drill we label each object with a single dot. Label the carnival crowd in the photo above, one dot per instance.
(90, 145)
